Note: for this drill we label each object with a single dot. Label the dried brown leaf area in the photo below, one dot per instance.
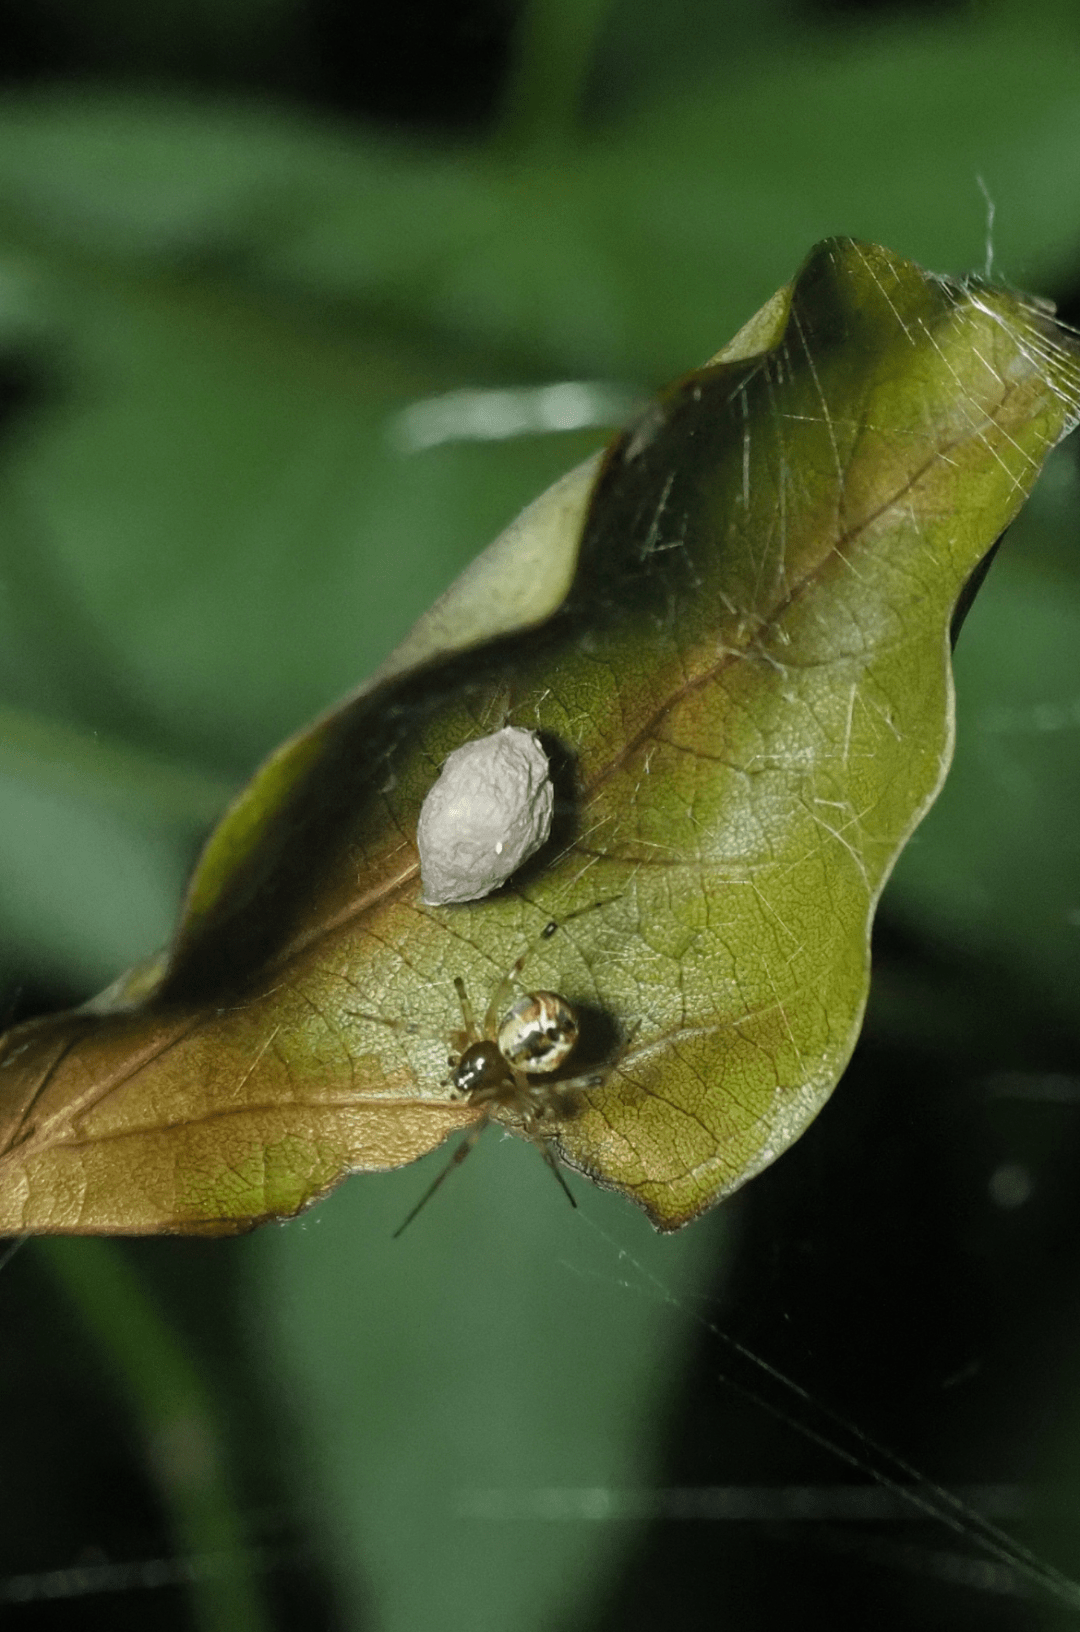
(746, 698)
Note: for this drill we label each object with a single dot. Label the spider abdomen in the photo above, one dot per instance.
(538, 1032)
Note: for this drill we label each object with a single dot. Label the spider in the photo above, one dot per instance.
(507, 1064)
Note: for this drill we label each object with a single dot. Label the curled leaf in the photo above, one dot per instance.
(732, 637)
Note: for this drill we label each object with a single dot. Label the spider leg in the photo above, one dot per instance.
(472, 1033)
(394, 1025)
(549, 1157)
(530, 1127)
(456, 1160)
(503, 991)
(588, 1079)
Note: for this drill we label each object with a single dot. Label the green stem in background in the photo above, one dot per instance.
(553, 46)
(171, 1402)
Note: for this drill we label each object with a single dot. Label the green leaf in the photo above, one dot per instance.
(738, 656)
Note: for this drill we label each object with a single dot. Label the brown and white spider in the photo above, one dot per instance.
(508, 1063)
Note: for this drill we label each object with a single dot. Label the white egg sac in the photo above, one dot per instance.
(488, 812)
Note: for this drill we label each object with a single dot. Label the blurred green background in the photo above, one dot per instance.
(252, 254)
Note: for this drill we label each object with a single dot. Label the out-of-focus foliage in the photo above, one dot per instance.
(214, 518)
(1011, 805)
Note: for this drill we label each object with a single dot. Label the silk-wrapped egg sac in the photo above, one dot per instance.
(489, 811)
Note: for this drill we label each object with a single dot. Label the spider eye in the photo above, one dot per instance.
(538, 1032)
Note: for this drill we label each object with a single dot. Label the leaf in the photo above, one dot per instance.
(733, 633)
